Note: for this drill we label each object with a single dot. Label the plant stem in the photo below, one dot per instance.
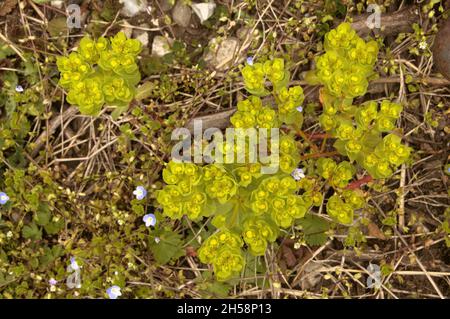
(358, 183)
(305, 137)
(319, 154)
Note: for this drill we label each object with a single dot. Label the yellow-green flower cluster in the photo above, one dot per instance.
(347, 64)
(275, 197)
(251, 113)
(257, 233)
(369, 118)
(342, 208)
(88, 95)
(275, 70)
(121, 59)
(219, 184)
(289, 155)
(359, 136)
(73, 69)
(247, 174)
(388, 155)
(289, 99)
(101, 71)
(184, 194)
(255, 76)
(223, 251)
(338, 175)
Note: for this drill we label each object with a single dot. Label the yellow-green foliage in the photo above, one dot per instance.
(247, 206)
(101, 72)
(360, 130)
(347, 64)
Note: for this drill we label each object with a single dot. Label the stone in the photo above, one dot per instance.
(57, 4)
(166, 5)
(222, 55)
(203, 10)
(127, 29)
(141, 35)
(181, 14)
(133, 7)
(160, 46)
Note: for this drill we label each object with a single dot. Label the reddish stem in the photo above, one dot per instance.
(357, 184)
(316, 155)
(319, 136)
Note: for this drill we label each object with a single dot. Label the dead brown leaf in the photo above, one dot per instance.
(375, 231)
(7, 7)
(288, 256)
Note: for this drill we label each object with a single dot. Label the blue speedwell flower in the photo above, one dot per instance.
(149, 220)
(19, 88)
(3, 198)
(113, 292)
(74, 264)
(140, 192)
(299, 108)
(52, 281)
(298, 174)
(250, 60)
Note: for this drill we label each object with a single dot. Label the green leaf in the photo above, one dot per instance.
(153, 65)
(43, 215)
(50, 255)
(53, 228)
(314, 229)
(293, 118)
(169, 247)
(31, 231)
(57, 26)
(118, 111)
(311, 78)
(284, 82)
(339, 145)
(5, 50)
(261, 92)
(144, 91)
(254, 265)
(217, 289)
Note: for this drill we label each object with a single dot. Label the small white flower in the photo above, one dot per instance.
(250, 60)
(113, 292)
(140, 192)
(157, 240)
(298, 174)
(19, 88)
(423, 45)
(149, 220)
(3, 198)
